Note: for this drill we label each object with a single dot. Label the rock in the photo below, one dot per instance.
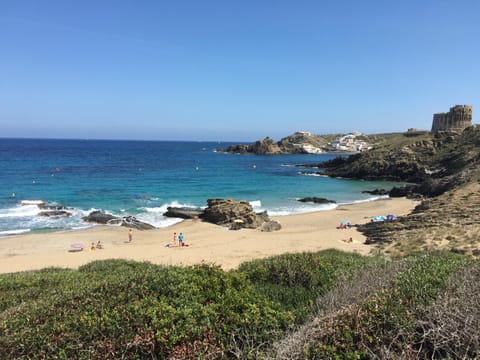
(236, 149)
(225, 211)
(55, 213)
(132, 222)
(317, 200)
(381, 192)
(99, 217)
(262, 147)
(235, 214)
(183, 212)
(265, 147)
(54, 207)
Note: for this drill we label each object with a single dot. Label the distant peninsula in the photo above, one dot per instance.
(304, 142)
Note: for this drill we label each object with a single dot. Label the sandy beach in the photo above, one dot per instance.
(207, 243)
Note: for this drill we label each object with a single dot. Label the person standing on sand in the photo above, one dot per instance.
(180, 239)
(174, 239)
(130, 235)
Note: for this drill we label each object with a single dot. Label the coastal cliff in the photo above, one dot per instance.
(445, 172)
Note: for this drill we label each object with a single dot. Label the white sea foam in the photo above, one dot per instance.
(311, 174)
(32, 202)
(155, 217)
(13, 232)
(374, 198)
(19, 211)
(301, 209)
(256, 203)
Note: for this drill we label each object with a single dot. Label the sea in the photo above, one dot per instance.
(143, 178)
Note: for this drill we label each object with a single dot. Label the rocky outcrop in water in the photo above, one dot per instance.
(133, 222)
(183, 212)
(317, 200)
(54, 211)
(100, 217)
(262, 147)
(237, 215)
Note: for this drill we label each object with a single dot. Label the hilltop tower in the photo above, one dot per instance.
(457, 119)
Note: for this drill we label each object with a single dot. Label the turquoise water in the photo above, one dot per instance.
(143, 178)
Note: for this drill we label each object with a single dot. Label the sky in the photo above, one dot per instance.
(233, 70)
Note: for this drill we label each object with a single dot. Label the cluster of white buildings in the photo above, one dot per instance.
(350, 143)
(346, 143)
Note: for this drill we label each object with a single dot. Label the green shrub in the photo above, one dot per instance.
(296, 280)
(114, 309)
(386, 323)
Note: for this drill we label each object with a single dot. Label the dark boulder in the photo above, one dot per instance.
(133, 222)
(183, 212)
(55, 213)
(381, 192)
(317, 200)
(99, 217)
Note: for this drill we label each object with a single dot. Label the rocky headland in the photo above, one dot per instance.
(297, 143)
(443, 171)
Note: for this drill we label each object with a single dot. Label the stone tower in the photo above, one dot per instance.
(457, 119)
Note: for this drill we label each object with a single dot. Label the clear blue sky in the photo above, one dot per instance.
(233, 70)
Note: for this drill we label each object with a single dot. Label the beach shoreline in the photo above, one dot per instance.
(207, 243)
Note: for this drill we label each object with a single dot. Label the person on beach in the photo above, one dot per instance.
(180, 239)
(93, 246)
(130, 235)
(174, 239)
(99, 245)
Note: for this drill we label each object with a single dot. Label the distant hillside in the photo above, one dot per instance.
(304, 142)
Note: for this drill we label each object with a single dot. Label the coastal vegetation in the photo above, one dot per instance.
(313, 305)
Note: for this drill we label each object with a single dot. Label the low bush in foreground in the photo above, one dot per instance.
(121, 309)
(297, 280)
(341, 306)
(386, 323)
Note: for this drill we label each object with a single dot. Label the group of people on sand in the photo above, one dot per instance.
(344, 225)
(178, 240)
(97, 246)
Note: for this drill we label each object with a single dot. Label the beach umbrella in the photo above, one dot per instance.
(77, 246)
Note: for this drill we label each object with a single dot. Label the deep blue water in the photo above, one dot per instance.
(142, 178)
